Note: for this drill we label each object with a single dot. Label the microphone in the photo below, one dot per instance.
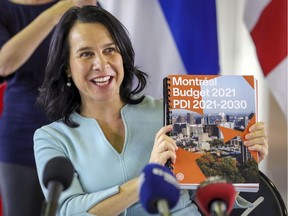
(215, 197)
(57, 177)
(159, 189)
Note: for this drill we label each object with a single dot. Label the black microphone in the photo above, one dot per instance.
(215, 197)
(57, 177)
(159, 189)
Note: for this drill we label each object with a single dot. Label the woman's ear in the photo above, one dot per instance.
(68, 73)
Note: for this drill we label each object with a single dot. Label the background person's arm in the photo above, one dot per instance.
(19, 48)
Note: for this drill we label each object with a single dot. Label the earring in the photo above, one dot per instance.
(68, 81)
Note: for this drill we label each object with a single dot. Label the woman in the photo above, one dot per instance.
(102, 123)
(25, 27)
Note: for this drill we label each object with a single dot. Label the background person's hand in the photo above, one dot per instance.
(81, 3)
(61, 7)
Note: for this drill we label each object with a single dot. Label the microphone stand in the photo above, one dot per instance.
(218, 208)
(163, 207)
(55, 189)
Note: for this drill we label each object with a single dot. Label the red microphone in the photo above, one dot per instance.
(215, 197)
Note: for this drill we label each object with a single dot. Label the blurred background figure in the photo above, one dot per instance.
(25, 27)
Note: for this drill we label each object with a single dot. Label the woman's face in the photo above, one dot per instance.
(96, 65)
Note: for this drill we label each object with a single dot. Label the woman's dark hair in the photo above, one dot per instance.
(58, 100)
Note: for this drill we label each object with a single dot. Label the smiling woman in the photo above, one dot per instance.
(102, 121)
(94, 117)
(98, 48)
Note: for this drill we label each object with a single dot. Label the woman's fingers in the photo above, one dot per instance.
(257, 126)
(257, 139)
(164, 147)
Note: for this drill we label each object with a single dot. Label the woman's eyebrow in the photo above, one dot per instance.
(90, 48)
(83, 49)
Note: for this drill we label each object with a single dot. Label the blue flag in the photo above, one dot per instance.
(194, 29)
(170, 37)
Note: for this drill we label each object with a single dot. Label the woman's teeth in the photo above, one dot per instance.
(101, 81)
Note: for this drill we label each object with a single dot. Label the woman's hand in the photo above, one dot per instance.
(257, 139)
(164, 147)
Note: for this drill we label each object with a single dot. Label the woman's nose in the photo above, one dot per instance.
(100, 63)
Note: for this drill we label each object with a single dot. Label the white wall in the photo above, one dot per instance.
(237, 56)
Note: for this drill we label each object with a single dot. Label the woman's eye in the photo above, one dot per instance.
(86, 54)
(110, 50)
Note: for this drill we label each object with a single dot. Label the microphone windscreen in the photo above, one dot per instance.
(58, 169)
(158, 183)
(218, 191)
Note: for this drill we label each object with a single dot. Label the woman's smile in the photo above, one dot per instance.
(102, 81)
